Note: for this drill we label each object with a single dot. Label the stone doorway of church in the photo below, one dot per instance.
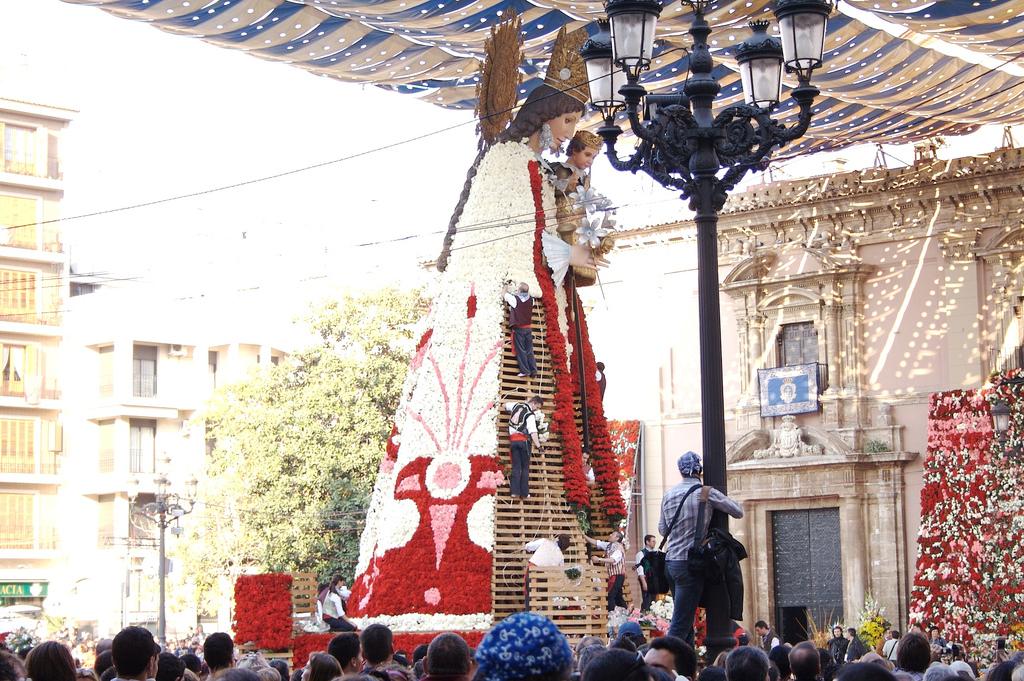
(808, 575)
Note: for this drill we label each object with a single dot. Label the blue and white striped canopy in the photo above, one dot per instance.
(896, 70)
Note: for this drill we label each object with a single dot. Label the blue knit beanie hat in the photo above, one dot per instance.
(522, 645)
(689, 464)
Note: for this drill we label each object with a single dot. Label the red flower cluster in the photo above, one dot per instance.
(263, 610)
(625, 443)
(305, 645)
(408, 641)
(564, 417)
(602, 458)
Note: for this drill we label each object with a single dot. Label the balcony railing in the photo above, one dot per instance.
(27, 465)
(44, 318)
(22, 167)
(18, 389)
(27, 537)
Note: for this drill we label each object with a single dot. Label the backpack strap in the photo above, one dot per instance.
(704, 494)
(668, 533)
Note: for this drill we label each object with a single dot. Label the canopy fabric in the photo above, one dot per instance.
(896, 72)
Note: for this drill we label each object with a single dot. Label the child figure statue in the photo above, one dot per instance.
(574, 199)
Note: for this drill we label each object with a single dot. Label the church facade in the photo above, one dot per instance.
(846, 301)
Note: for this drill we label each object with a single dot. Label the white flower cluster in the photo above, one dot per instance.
(424, 622)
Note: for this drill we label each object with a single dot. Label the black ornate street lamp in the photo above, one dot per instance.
(166, 510)
(685, 146)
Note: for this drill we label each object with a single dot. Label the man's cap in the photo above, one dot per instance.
(520, 646)
(689, 464)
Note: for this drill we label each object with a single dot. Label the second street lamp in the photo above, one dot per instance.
(686, 147)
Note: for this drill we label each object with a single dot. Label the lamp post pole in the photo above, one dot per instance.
(165, 510)
(683, 145)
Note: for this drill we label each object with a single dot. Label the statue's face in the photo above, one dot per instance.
(563, 128)
(584, 158)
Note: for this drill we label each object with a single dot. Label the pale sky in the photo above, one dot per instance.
(162, 115)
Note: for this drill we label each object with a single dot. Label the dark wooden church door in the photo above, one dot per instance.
(808, 574)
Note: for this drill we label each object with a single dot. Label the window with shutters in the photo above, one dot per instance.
(17, 531)
(106, 356)
(13, 369)
(106, 449)
(798, 344)
(17, 446)
(18, 296)
(144, 371)
(142, 451)
(19, 149)
(18, 220)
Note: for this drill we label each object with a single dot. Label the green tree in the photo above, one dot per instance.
(298, 446)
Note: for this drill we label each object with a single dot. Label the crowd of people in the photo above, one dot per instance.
(523, 647)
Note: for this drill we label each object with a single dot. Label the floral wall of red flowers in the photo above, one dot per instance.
(968, 580)
(263, 610)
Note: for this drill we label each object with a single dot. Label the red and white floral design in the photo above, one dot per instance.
(970, 553)
(425, 556)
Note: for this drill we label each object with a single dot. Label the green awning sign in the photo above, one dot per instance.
(23, 589)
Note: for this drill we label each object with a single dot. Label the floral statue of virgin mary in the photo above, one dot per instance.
(427, 550)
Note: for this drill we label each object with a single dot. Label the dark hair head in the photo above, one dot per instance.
(779, 655)
(297, 674)
(282, 668)
(376, 641)
(419, 652)
(169, 667)
(587, 655)
(1002, 671)
(109, 674)
(323, 667)
(50, 661)
(536, 399)
(851, 631)
(103, 645)
(623, 643)
(564, 541)
(236, 674)
(712, 674)
(685, 656)
(914, 653)
(104, 661)
(133, 649)
(747, 663)
(344, 648)
(648, 536)
(600, 366)
(864, 672)
(193, 663)
(543, 104)
(804, 661)
(760, 624)
(11, 667)
(617, 665)
(447, 655)
(219, 651)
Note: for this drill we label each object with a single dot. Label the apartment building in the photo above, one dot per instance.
(134, 385)
(33, 289)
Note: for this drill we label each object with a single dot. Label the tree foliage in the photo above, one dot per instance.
(298, 445)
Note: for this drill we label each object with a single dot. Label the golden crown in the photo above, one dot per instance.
(566, 71)
(587, 139)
